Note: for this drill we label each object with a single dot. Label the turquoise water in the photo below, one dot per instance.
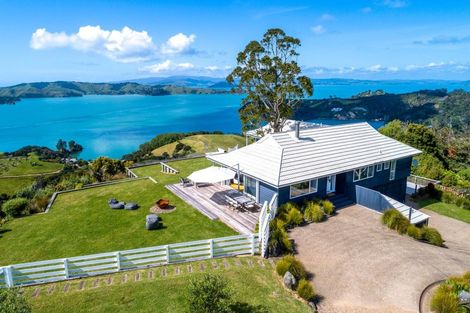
(116, 125)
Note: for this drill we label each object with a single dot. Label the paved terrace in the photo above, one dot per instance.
(209, 200)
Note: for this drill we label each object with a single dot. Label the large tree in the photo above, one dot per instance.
(268, 73)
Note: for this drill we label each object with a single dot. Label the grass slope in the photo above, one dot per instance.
(185, 167)
(24, 165)
(447, 209)
(11, 185)
(204, 143)
(255, 285)
(81, 223)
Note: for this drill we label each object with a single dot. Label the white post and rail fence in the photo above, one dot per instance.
(268, 213)
(41, 272)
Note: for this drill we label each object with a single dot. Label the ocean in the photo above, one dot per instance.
(116, 125)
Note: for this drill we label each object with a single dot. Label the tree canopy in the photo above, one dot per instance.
(268, 73)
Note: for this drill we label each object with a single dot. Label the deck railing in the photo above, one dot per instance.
(104, 263)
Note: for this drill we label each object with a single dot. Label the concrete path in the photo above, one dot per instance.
(361, 266)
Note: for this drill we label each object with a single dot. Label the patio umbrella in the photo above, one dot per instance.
(211, 175)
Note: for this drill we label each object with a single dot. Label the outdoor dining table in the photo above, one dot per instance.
(243, 200)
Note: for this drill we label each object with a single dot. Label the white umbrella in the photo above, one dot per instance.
(211, 175)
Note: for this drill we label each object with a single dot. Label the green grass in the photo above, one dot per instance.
(204, 143)
(186, 167)
(24, 165)
(81, 223)
(11, 185)
(253, 285)
(447, 209)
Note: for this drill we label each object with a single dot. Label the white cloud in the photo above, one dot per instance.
(318, 29)
(395, 4)
(327, 17)
(125, 45)
(212, 68)
(178, 43)
(166, 67)
(432, 69)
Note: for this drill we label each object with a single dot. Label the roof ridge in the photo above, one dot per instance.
(280, 166)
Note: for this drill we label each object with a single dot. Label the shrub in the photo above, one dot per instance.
(432, 236)
(447, 197)
(39, 204)
(314, 213)
(466, 204)
(278, 239)
(414, 232)
(15, 207)
(305, 290)
(395, 220)
(284, 209)
(328, 207)
(209, 294)
(294, 218)
(290, 264)
(388, 216)
(13, 301)
(459, 201)
(444, 301)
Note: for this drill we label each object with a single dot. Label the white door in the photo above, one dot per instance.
(331, 184)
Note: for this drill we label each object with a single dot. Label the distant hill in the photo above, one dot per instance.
(428, 106)
(78, 89)
(184, 81)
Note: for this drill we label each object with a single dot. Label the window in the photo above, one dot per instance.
(393, 168)
(386, 165)
(379, 167)
(250, 186)
(363, 173)
(303, 188)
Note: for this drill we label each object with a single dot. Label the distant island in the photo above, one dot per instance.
(12, 94)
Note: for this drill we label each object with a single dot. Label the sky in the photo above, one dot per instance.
(118, 40)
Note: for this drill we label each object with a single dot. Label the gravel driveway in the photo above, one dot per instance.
(361, 266)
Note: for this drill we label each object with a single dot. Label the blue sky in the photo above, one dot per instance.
(118, 40)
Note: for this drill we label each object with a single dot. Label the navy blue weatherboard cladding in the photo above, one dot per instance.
(381, 182)
(266, 192)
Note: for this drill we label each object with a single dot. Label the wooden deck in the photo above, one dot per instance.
(209, 200)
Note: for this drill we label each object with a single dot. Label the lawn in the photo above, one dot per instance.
(81, 223)
(12, 185)
(447, 209)
(185, 167)
(254, 285)
(26, 165)
(18, 166)
(204, 143)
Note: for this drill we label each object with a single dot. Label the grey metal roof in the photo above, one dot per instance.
(281, 159)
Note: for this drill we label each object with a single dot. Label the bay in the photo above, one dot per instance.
(116, 125)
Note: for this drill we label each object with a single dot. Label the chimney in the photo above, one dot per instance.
(297, 129)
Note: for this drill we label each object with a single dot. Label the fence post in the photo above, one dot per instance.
(168, 260)
(211, 248)
(118, 261)
(66, 268)
(252, 237)
(9, 276)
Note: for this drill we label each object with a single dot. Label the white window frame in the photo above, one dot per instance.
(393, 169)
(386, 165)
(369, 171)
(379, 167)
(312, 188)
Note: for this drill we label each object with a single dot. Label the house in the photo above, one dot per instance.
(321, 162)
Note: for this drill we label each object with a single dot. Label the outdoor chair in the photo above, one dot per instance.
(184, 181)
(131, 206)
